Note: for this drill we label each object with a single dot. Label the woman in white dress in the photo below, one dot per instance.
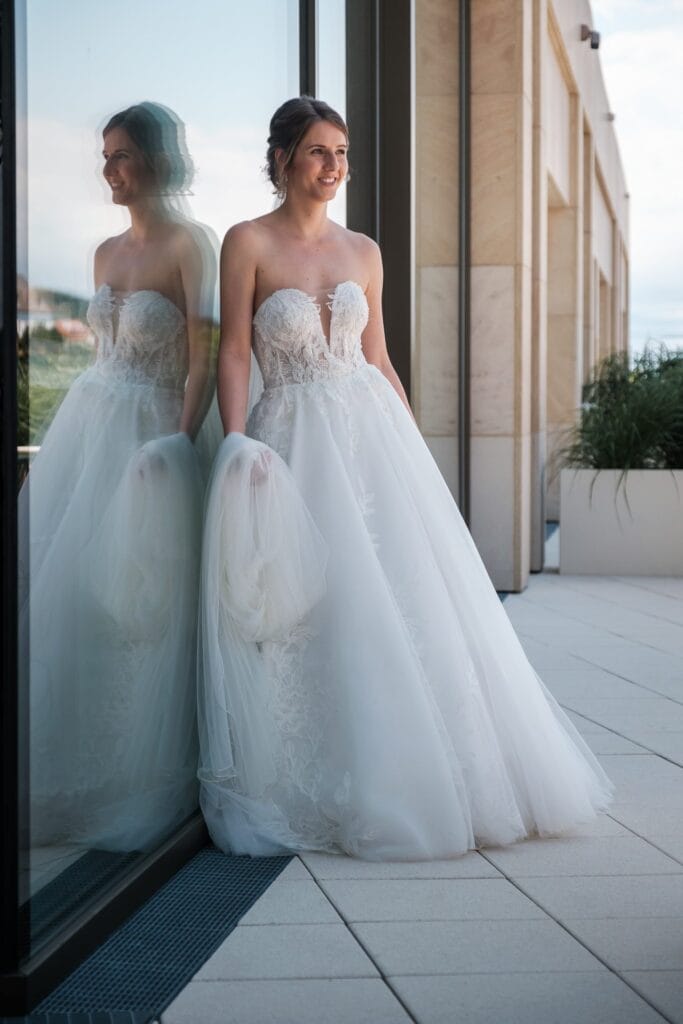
(111, 522)
(398, 717)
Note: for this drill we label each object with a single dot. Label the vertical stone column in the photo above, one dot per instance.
(539, 293)
(589, 352)
(615, 295)
(435, 357)
(624, 307)
(502, 144)
(565, 309)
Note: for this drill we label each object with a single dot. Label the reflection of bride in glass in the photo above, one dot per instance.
(114, 498)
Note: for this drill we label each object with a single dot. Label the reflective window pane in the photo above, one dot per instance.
(331, 74)
(146, 134)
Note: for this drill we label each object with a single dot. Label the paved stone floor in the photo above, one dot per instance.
(584, 929)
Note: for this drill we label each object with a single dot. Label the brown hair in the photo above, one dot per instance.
(288, 125)
(159, 134)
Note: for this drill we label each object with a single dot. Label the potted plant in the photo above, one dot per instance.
(621, 488)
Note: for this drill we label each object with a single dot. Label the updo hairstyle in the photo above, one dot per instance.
(288, 125)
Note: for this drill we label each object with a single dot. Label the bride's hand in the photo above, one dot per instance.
(260, 468)
(150, 464)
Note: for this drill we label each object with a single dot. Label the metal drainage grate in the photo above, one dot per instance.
(133, 976)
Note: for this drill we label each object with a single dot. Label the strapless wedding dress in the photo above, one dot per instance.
(400, 718)
(110, 520)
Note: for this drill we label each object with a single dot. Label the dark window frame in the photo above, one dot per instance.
(381, 200)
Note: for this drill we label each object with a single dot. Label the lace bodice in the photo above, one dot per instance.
(289, 341)
(142, 337)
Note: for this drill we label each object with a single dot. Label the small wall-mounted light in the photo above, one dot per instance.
(588, 33)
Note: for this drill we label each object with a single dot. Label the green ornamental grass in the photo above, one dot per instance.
(631, 417)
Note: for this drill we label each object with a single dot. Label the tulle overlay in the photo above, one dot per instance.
(110, 520)
(399, 718)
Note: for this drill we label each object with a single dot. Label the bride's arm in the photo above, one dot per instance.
(238, 281)
(198, 276)
(99, 271)
(374, 341)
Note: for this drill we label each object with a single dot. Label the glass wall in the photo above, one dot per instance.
(120, 213)
(331, 74)
(123, 210)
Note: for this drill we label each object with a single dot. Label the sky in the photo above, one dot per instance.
(640, 51)
(223, 66)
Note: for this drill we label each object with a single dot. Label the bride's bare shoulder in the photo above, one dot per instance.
(366, 251)
(363, 245)
(110, 244)
(247, 235)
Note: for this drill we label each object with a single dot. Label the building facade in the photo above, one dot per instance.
(549, 255)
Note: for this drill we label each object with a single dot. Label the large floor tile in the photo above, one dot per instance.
(592, 684)
(652, 771)
(649, 779)
(553, 627)
(655, 670)
(664, 989)
(295, 871)
(534, 998)
(585, 725)
(298, 902)
(457, 947)
(620, 855)
(288, 951)
(595, 648)
(670, 586)
(602, 825)
(470, 865)
(631, 718)
(333, 1001)
(673, 845)
(668, 744)
(621, 897)
(611, 743)
(667, 637)
(642, 944)
(649, 820)
(544, 657)
(646, 600)
(418, 899)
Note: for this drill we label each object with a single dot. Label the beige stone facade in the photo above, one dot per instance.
(549, 255)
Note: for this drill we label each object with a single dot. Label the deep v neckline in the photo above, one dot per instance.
(317, 305)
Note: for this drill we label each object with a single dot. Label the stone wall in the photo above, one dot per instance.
(549, 255)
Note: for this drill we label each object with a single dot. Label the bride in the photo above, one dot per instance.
(398, 717)
(111, 512)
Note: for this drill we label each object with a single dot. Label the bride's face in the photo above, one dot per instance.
(125, 169)
(320, 162)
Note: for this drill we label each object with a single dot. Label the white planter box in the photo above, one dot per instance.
(636, 530)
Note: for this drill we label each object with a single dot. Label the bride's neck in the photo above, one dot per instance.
(306, 219)
(145, 218)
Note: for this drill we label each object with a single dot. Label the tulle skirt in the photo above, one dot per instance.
(110, 528)
(398, 717)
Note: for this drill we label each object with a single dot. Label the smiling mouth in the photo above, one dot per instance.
(328, 181)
